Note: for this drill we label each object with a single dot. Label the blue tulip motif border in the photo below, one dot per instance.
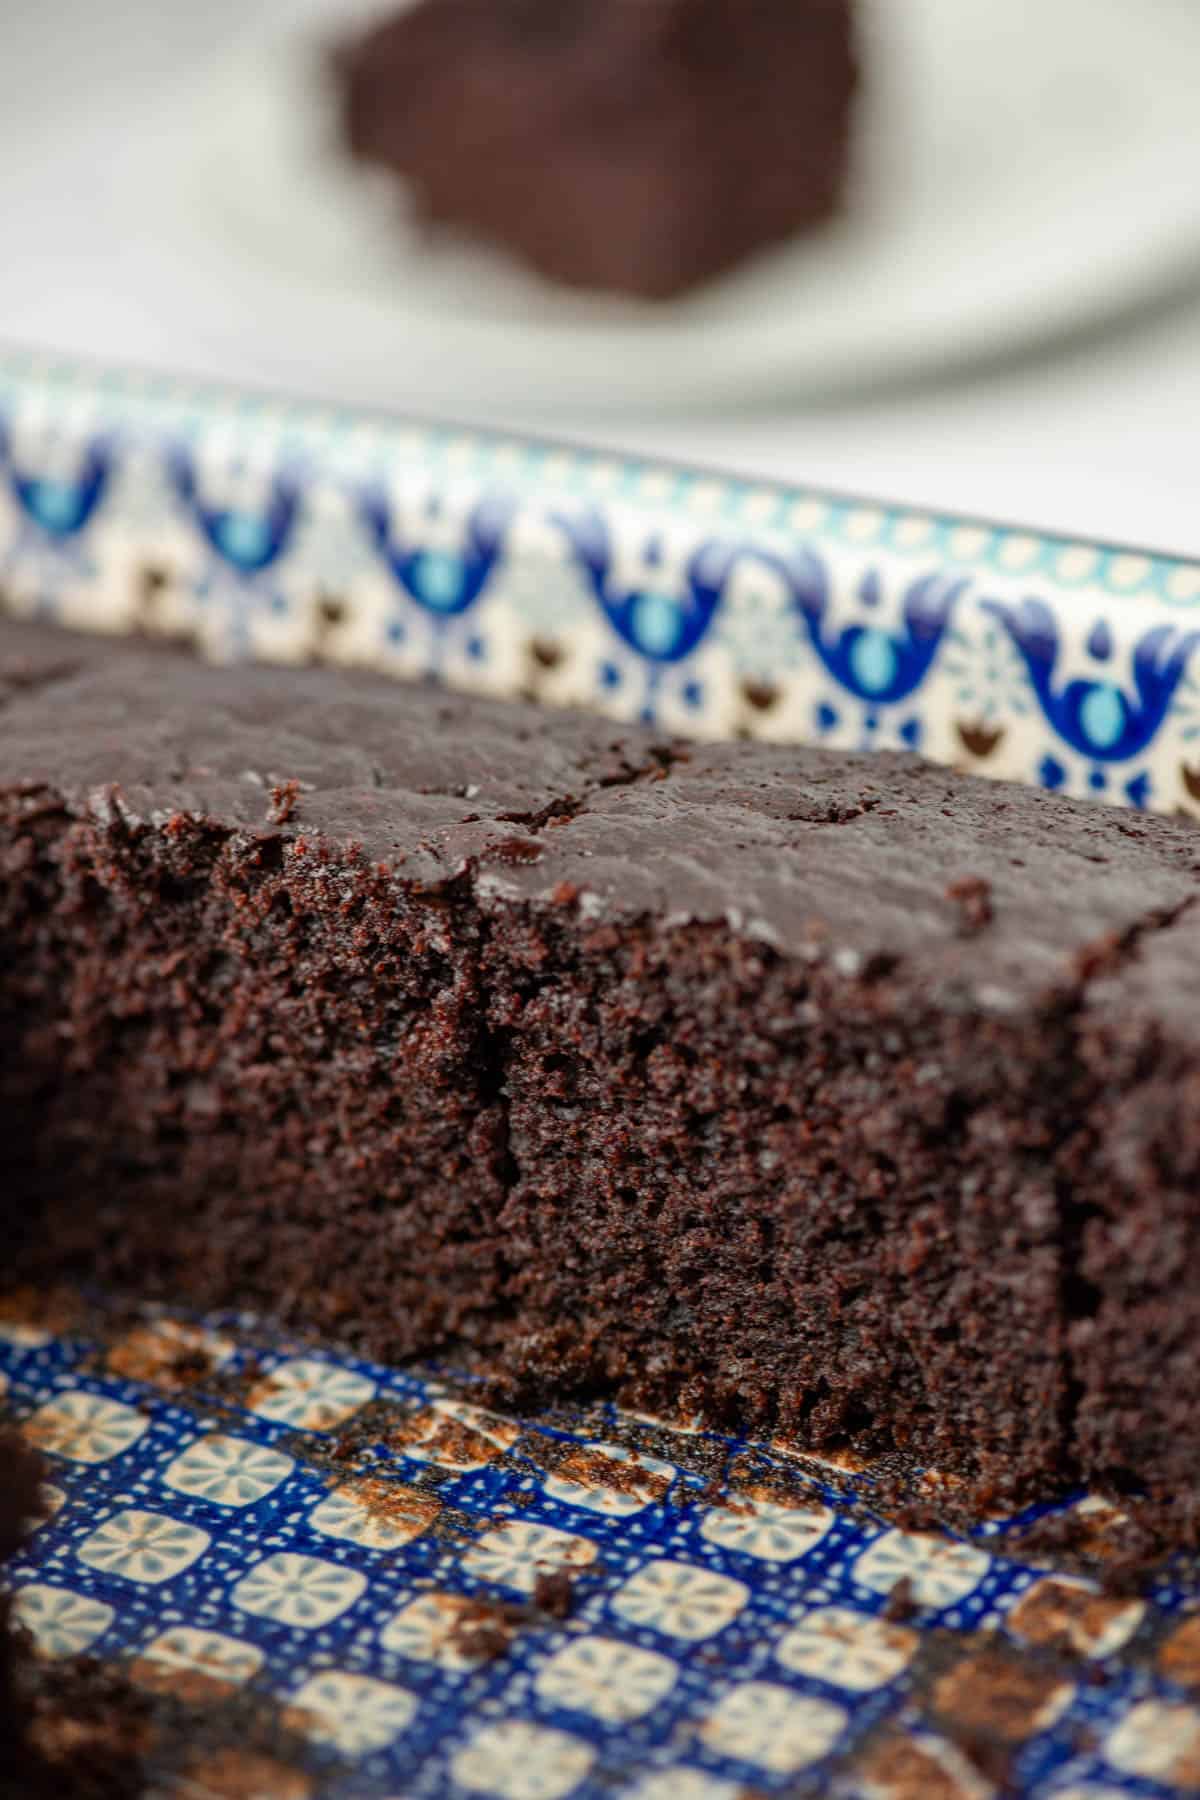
(702, 604)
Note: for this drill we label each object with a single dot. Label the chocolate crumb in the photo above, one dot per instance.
(554, 1593)
(973, 897)
(901, 1604)
(285, 802)
(484, 1629)
(483, 1642)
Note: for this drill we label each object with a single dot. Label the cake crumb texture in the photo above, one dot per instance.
(837, 1098)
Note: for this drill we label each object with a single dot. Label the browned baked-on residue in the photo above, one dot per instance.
(995, 1695)
(1179, 1654)
(408, 1512)
(164, 1354)
(187, 1682)
(1072, 1619)
(591, 1468)
(899, 1767)
(245, 1775)
(453, 1435)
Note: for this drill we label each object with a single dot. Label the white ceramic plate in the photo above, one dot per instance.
(1023, 170)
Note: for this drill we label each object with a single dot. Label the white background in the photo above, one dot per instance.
(1100, 439)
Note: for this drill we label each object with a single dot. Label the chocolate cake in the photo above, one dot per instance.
(643, 146)
(69, 1730)
(19, 1504)
(828, 1095)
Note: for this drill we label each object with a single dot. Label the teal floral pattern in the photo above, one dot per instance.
(704, 605)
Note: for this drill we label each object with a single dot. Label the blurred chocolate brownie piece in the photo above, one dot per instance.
(642, 146)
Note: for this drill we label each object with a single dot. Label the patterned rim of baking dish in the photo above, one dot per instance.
(258, 526)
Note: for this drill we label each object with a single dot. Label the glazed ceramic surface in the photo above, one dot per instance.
(711, 607)
(264, 1532)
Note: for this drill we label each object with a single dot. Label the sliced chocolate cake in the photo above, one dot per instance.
(834, 1095)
